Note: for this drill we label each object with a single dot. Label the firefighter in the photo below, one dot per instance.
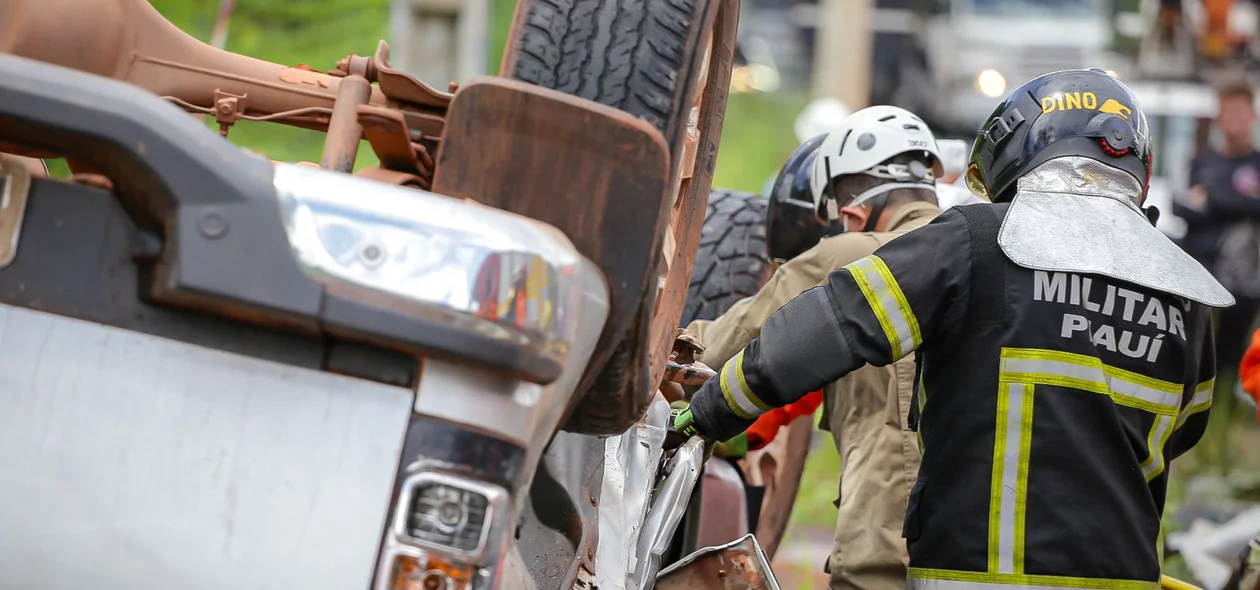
(883, 187)
(1064, 351)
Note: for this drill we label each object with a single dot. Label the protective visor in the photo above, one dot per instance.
(1076, 214)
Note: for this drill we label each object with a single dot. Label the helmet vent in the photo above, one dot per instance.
(911, 127)
(844, 142)
(887, 118)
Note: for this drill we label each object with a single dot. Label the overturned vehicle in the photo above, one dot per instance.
(441, 372)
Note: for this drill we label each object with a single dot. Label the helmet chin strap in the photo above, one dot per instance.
(877, 191)
(833, 210)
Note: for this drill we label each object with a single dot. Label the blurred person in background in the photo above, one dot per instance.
(1219, 208)
(873, 176)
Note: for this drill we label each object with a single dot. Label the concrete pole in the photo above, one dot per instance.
(842, 64)
(440, 41)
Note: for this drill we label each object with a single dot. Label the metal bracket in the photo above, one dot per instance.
(13, 196)
(228, 108)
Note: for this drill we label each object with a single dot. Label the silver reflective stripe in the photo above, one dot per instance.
(917, 584)
(888, 303)
(1202, 400)
(1025, 369)
(1154, 464)
(935, 579)
(913, 584)
(1013, 444)
(738, 396)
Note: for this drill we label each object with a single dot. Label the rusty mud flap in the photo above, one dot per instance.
(738, 565)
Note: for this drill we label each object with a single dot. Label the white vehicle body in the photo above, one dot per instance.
(979, 50)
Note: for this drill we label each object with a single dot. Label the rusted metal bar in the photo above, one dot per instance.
(344, 131)
(694, 374)
(738, 565)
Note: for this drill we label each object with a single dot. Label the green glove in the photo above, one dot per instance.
(682, 426)
(736, 448)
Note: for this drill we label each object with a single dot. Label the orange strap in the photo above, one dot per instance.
(1249, 370)
(763, 431)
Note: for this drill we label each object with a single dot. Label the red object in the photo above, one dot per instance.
(1249, 372)
(763, 431)
(1110, 151)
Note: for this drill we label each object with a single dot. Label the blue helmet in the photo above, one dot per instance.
(792, 226)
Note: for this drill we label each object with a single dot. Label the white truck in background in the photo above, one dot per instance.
(972, 52)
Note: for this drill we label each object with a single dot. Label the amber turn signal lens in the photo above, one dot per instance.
(433, 573)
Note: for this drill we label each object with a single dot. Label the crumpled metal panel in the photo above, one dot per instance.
(1079, 215)
(738, 565)
(669, 503)
(630, 465)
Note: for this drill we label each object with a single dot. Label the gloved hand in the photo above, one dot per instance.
(736, 448)
(682, 426)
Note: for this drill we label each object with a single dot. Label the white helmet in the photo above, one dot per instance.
(952, 195)
(860, 145)
(820, 116)
(954, 155)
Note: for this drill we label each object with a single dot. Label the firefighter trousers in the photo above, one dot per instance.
(880, 461)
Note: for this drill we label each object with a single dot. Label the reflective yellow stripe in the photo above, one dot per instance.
(1155, 441)
(1009, 486)
(903, 305)
(922, 404)
(1159, 547)
(888, 303)
(1202, 400)
(934, 579)
(1078, 371)
(1021, 370)
(739, 398)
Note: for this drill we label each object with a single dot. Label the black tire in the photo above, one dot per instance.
(733, 261)
(640, 56)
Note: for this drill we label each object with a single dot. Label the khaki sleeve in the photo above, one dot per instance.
(724, 337)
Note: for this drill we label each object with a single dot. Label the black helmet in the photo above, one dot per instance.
(791, 225)
(1067, 113)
